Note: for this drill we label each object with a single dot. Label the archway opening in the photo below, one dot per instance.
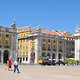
(32, 57)
(53, 57)
(48, 55)
(6, 56)
(43, 54)
(59, 56)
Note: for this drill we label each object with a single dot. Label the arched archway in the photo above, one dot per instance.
(32, 57)
(48, 55)
(43, 54)
(59, 56)
(6, 56)
(0, 56)
(53, 56)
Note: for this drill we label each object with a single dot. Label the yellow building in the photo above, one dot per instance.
(8, 38)
(34, 43)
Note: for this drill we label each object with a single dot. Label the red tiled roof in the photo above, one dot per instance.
(54, 33)
(50, 32)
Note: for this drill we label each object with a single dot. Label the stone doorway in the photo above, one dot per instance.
(32, 57)
(6, 56)
(59, 56)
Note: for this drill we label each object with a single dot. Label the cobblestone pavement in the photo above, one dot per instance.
(37, 72)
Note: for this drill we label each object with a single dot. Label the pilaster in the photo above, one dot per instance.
(2, 56)
(57, 52)
(29, 57)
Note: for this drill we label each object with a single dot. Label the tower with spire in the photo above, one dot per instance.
(77, 29)
(77, 43)
(13, 25)
(14, 40)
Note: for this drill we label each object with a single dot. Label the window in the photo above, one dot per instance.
(0, 42)
(6, 42)
(7, 35)
(67, 49)
(18, 41)
(0, 34)
(59, 47)
(24, 40)
(72, 43)
(32, 39)
(48, 40)
(23, 53)
(69, 38)
(23, 47)
(26, 53)
(53, 41)
(43, 40)
(20, 46)
(24, 35)
(27, 34)
(67, 43)
(44, 46)
(21, 41)
(20, 53)
(72, 49)
(60, 42)
(21, 35)
(48, 46)
(18, 36)
(26, 47)
(53, 46)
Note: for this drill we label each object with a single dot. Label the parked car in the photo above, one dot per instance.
(60, 62)
(44, 61)
(53, 62)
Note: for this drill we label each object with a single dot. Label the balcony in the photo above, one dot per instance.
(60, 50)
(49, 49)
(54, 49)
(44, 49)
(6, 46)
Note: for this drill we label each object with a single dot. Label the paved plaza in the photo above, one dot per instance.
(37, 72)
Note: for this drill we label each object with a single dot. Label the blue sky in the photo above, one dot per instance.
(50, 14)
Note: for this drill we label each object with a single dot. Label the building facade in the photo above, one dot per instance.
(34, 43)
(8, 38)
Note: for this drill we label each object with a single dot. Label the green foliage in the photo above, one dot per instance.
(66, 60)
(73, 61)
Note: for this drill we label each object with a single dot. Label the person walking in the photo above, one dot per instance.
(16, 66)
(9, 65)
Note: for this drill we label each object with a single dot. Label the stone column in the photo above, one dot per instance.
(57, 52)
(37, 51)
(2, 56)
(13, 45)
